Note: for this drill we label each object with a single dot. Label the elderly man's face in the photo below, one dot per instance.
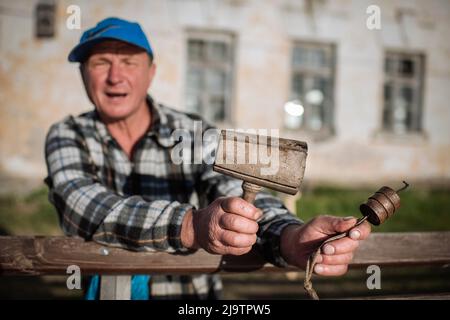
(117, 76)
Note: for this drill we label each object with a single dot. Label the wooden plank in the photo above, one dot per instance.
(52, 255)
(115, 287)
(412, 248)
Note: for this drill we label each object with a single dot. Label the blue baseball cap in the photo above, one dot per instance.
(110, 29)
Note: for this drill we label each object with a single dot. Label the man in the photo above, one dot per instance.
(112, 180)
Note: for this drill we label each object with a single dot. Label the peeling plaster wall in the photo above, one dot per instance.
(39, 87)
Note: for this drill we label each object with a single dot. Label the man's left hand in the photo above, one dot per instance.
(299, 242)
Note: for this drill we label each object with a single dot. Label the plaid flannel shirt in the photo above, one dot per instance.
(139, 204)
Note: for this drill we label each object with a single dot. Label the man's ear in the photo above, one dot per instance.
(152, 71)
(82, 68)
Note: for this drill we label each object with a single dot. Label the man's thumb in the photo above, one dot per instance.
(344, 224)
(331, 225)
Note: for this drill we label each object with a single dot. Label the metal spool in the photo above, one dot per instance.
(381, 205)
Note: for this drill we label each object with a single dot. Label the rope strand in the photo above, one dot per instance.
(312, 261)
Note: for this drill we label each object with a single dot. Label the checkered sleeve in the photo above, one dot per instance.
(88, 209)
(275, 215)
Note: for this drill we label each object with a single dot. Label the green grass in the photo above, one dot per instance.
(421, 209)
(28, 215)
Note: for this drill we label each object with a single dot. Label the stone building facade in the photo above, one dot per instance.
(365, 83)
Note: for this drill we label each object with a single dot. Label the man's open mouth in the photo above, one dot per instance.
(115, 95)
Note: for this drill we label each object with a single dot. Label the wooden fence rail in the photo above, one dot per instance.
(25, 255)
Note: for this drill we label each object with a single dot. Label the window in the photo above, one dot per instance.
(45, 20)
(210, 76)
(403, 92)
(312, 85)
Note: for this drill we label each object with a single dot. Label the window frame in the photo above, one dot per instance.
(417, 83)
(45, 10)
(329, 73)
(228, 67)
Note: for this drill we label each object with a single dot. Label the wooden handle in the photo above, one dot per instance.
(250, 191)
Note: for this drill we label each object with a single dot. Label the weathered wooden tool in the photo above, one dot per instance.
(261, 161)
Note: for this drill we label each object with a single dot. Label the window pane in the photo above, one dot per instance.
(312, 86)
(401, 115)
(387, 93)
(300, 57)
(406, 68)
(217, 108)
(194, 80)
(293, 114)
(317, 58)
(45, 20)
(321, 87)
(208, 78)
(402, 92)
(314, 119)
(193, 103)
(297, 86)
(195, 50)
(217, 51)
(216, 81)
(387, 123)
(406, 100)
(389, 66)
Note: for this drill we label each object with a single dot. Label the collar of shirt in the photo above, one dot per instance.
(161, 127)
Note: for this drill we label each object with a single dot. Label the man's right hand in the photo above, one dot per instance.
(226, 226)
